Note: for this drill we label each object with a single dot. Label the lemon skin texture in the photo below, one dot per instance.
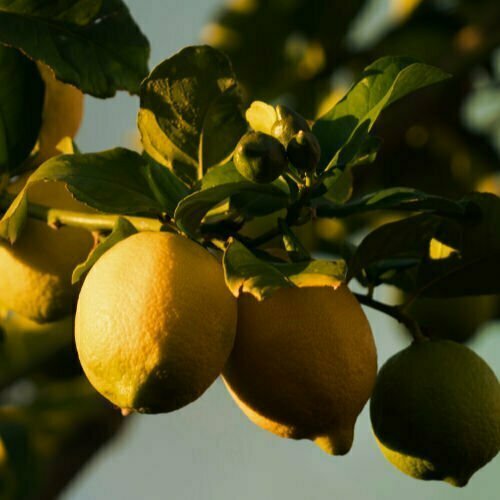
(35, 272)
(155, 322)
(304, 364)
(435, 411)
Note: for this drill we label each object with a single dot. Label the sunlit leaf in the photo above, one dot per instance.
(246, 273)
(191, 117)
(343, 131)
(123, 229)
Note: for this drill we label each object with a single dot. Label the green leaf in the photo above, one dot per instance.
(94, 45)
(246, 273)
(445, 257)
(113, 181)
(408, 238)
(191, 112)
(221, 174)
(116, 181)
(168, 189)
(192, 209)
(399, 198)
(293, 245)
(123, 229)
(339, 186)
(248, 204)
(14, 218)
(472, 266)
(314, 272)
(343, 131)
(21, 104)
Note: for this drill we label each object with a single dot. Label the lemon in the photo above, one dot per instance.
(456, 318)
(25, 343)
(62, 114)
(435, 411)
(155, 322)
(304, 364)
(35, 272)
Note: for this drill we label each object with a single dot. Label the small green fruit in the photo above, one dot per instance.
(288, 124)
(304, 151)
(260, 158)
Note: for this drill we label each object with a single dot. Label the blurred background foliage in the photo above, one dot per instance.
(445, 140)
(306, 53)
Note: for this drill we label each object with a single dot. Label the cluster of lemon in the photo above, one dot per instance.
(156, 325)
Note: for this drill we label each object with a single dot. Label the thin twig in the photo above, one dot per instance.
(396, 313)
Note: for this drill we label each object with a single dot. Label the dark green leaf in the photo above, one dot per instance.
(123, 229)
(399, 198)
(192, 209)
(168, 189)
(339, 186)
(21, 103)
(343, 131)
(221, 174)
(248, 204)
(114, 181)
(444, 257)
(94, 45)
(293, 245)
(191, 116)
(408, 238)
(474, 268)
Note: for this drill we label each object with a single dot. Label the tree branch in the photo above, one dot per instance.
(396, 313)
(90, 221)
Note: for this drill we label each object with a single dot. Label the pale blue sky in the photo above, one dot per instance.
(209, 450)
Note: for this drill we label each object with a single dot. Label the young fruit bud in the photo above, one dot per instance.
(260, 158)
(304, 151)
(288, 124)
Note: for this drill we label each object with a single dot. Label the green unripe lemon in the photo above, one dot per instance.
(155, 322)
(260, 158)
(435, 411)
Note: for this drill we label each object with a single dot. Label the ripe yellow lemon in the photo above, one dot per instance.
(304, 364)
(35, 272)
(155, 322)
(62, 114)
(435, 411)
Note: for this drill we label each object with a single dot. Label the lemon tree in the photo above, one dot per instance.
(228, 246)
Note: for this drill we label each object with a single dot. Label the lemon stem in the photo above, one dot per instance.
(395, 312)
